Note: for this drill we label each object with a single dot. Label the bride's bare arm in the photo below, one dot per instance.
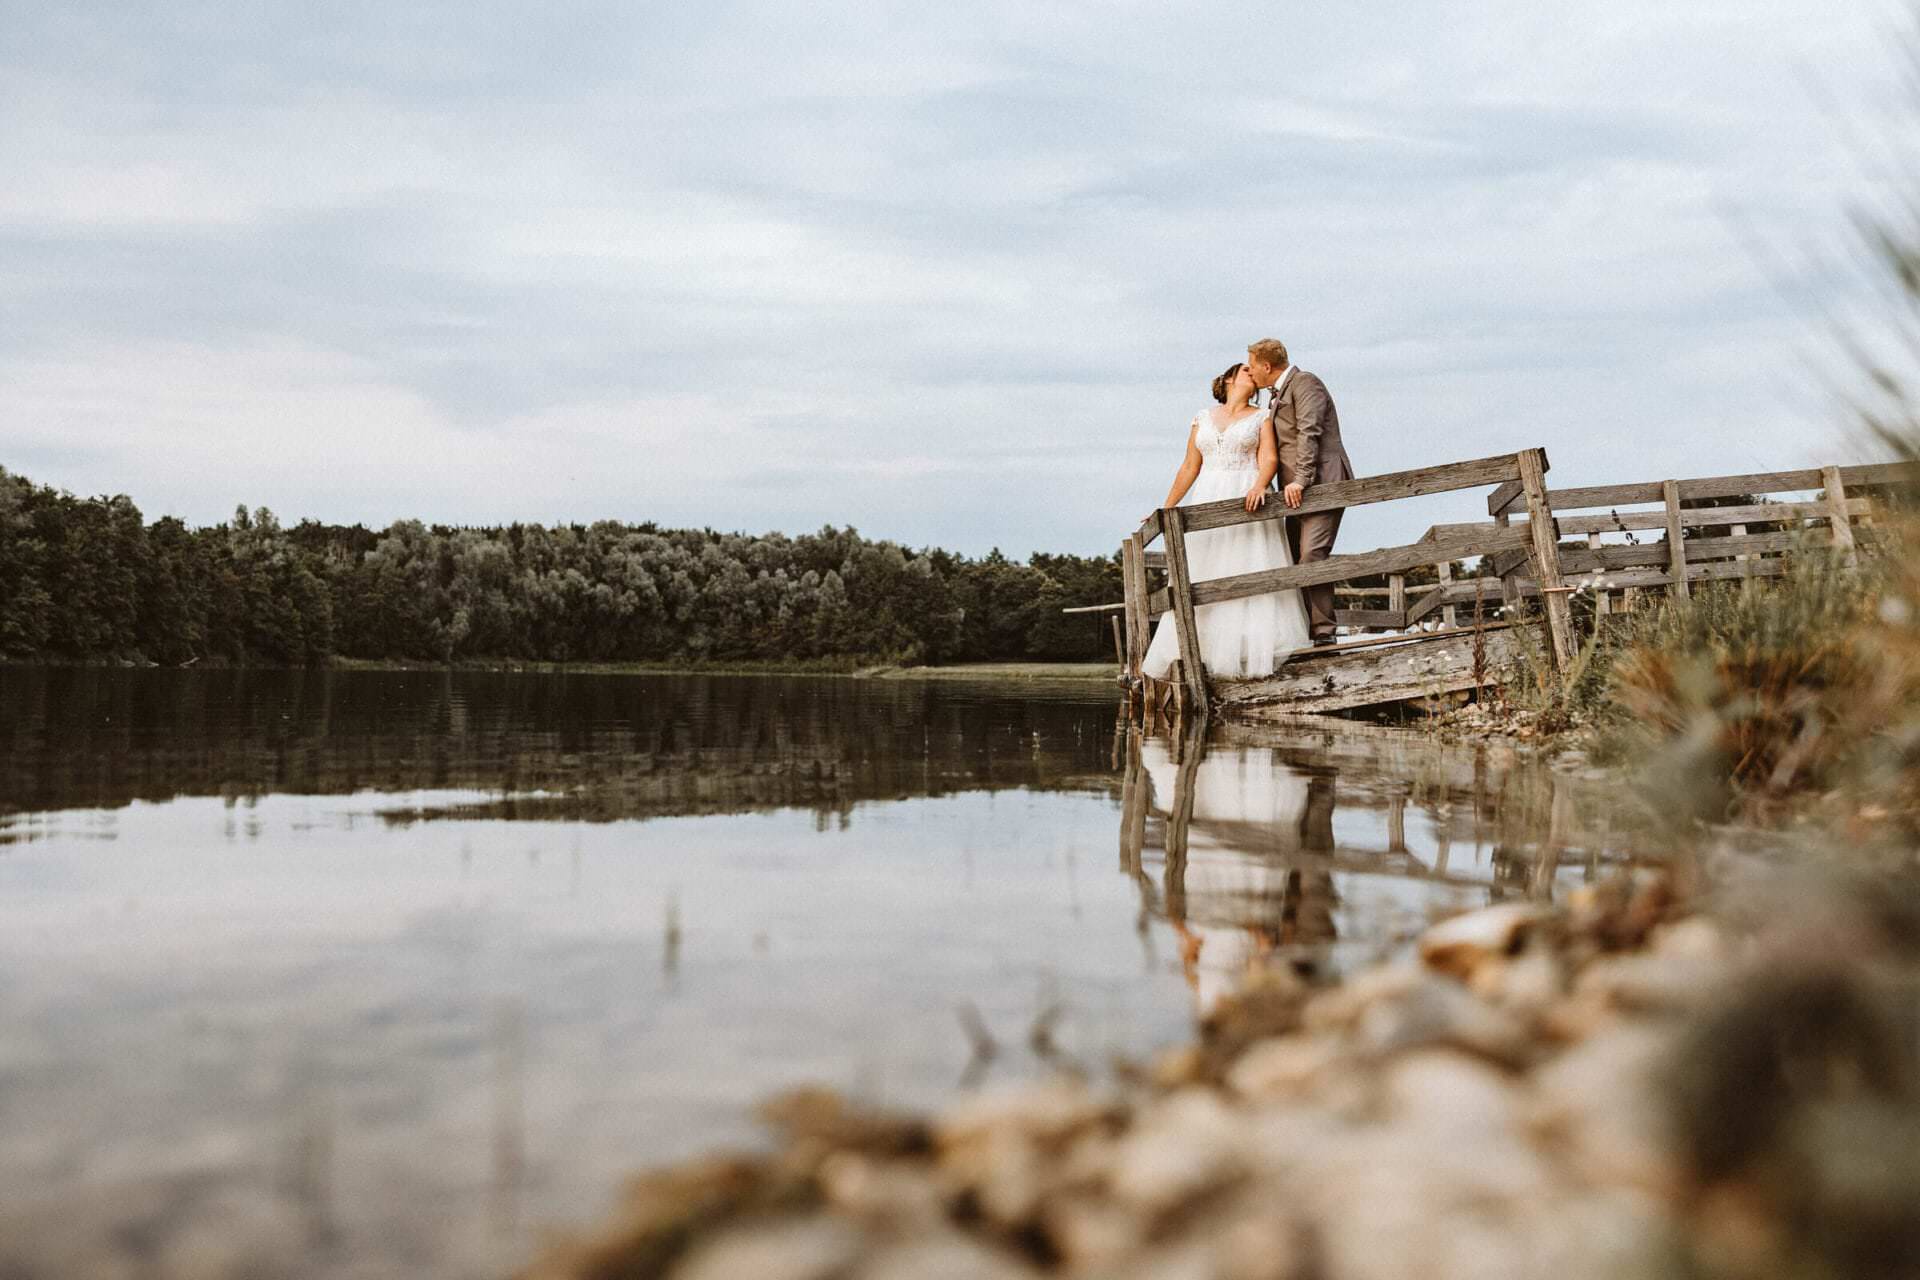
(1269, 463)
(1189, 471)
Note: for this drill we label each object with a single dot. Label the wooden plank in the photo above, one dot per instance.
(1418, 666)
(1872, 474)
(1676, 545)
(1546, 554)
(1322, 653)
(1150, 527)
(1642, 579)
(1728, 486)
(1430, 600)
(1098, 608)
(1838, 519)
(1696, 517)
(1341, 568)
(1394, 618)
(1397, 594)
(1341, 494)
(1602, 602)
(1140, 624)
(1180, 585)
(1448, 615)
(1500, 501)
(1579, 560)
(1119, 642)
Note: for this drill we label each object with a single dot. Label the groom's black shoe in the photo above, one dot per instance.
(1324, 640)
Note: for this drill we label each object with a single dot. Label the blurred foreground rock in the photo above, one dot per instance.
(1615, 1087)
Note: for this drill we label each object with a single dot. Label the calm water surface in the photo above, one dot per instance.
(393, 969)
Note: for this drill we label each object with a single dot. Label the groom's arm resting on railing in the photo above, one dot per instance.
(1311, 402)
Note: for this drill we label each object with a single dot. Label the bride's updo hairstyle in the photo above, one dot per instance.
(1225, 380)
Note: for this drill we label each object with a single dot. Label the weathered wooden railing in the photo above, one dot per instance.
(1182, 595)
(1521, 544)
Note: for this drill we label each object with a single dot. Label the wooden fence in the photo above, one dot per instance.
(1521, 542)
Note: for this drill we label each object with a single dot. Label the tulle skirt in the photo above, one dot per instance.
(1238, 638)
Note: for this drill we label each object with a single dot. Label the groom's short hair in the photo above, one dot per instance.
(1270, 351)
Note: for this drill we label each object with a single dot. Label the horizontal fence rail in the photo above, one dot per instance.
(1338, 495)
(1865, 475)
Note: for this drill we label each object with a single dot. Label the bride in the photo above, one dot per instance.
(1232, 453)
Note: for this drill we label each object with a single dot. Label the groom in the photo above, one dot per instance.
(1308, 431)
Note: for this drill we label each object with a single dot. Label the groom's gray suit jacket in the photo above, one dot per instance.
(1308, 431)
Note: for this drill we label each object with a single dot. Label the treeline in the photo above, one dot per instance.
(89, 578)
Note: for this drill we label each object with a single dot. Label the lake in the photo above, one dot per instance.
(367, 971)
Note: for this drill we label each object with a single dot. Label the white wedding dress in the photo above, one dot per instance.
(1238, 638)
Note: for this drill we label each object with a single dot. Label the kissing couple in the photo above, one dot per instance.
(1237, 449)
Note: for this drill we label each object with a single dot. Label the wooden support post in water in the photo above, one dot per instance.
(1676, 545)
(1139, 625)
(1546, 555)
(1837, 513)
(1449, 617)
(1180, 592)
(1119, 642)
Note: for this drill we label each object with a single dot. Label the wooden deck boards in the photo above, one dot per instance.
(1419, 665)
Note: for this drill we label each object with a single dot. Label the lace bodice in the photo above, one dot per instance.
(1236, 445)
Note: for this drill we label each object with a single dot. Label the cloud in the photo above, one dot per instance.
(955, 276)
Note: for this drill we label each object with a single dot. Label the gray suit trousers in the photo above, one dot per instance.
(1310, 538)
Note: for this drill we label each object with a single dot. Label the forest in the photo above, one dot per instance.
(89, 579)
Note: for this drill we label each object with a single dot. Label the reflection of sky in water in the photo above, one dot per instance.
(186, 992)
(477, 1020)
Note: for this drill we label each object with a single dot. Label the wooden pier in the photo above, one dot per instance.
(1446, 619)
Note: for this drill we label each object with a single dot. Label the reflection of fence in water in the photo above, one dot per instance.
(1231, 836)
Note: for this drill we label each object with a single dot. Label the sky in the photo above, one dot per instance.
(954, 275)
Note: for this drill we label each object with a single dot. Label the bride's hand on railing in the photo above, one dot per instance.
(1256, 497)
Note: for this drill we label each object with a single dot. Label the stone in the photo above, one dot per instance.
(1650, 983)
(1439, 1089)
(1186, 1145)
(1598, 1106)
(814, 1248)
(949, 1256)
(1458, 946)
(1438, 1012)
(1045, 1113)
(896, 1192)
(1284, 1067)
(1089, 1231)
(1340, 1008)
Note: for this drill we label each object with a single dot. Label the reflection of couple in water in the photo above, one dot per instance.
(1245, 880)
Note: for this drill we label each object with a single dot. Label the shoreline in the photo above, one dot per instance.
(1612, 1086)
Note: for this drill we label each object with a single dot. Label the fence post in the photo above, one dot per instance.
(1837, 513)
(1676, 545)
(1397, 597)
(1180, 591)
(1449, 619)
(1601, 605)
(1546, 555)
(1134, 582)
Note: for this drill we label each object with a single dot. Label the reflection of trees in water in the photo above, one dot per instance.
(1241, 825)
(605, 746)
